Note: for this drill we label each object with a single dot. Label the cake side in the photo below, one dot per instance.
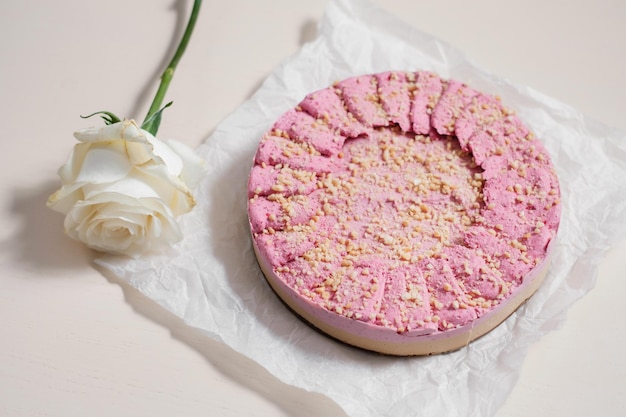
(386, 341)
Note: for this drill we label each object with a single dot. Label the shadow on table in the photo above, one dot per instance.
(235, 366)
(39, 240)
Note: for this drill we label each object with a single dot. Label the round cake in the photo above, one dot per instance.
(401, 212)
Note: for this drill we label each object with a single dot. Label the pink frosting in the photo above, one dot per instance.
(456, 96)
(329, 107)
(393, 88)
(361, 97)
(302, 127)
(277, 150)
(402, 201)
(428, 88)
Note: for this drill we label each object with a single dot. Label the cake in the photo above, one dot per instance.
(401, 212)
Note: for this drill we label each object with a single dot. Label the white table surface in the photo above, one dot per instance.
(77, 343)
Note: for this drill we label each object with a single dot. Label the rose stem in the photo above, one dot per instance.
(168, 74)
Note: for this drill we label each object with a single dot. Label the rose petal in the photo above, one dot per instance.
(104, 164)
(139, 153)
(70, 170)
(162, 151)
(130, 186)
(65, 197)
(125, 130)
(121, 224)
(139, 146)
(171, 190)
(194, 167)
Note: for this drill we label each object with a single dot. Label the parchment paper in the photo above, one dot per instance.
(212, 281)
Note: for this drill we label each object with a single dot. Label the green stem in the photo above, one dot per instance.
(168, 74)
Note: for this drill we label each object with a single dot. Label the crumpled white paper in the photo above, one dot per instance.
(212, 281)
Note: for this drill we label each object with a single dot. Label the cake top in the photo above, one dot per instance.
(403, 200)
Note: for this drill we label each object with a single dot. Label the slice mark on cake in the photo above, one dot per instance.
(455, 97)
(426, 93)
(360, 95)
(394, 89)
(328, 106)
(278, 150)
(271, 179)
(300, 126)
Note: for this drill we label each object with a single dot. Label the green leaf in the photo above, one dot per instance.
(153, 122)
(108, 117)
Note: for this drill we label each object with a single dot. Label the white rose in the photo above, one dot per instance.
(122, 189)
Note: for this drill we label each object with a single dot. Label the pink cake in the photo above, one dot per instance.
(402, 213)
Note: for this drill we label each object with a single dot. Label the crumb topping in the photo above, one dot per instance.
(403, 200)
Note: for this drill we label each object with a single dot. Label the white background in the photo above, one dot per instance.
(76, 343)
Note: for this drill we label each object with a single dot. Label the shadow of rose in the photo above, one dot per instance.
(39, 240)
